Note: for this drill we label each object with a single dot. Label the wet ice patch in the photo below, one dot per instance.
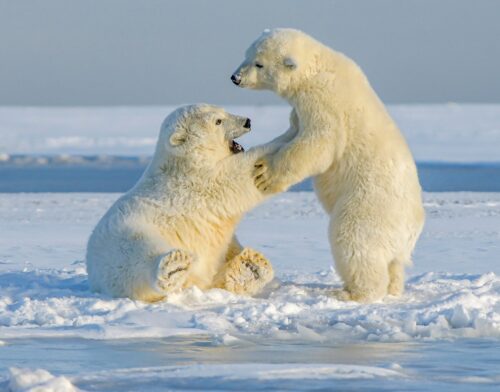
(259, 376)
(251, 371)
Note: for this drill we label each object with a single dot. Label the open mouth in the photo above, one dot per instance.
(235, 147)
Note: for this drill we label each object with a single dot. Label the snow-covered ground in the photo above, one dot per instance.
(296, 330)
(451, 133)
(55, 335)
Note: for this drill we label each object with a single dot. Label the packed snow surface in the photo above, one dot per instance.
(44, 290)
(55, 335)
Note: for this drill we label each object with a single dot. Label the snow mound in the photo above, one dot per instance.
(23, 380)
(58, 303)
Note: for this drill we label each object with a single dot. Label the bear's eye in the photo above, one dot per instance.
(259, 65)
(218, 121)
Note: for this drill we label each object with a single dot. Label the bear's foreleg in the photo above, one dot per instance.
(304, 156)
(274, 145)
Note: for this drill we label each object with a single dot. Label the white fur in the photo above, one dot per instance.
(175, 227)
(341, 133)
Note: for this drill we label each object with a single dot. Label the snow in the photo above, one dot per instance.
(452, 292)
(45, 293)
(451, 133)
(37, 380)
(55, 335)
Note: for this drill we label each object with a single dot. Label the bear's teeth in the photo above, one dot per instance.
(236, 147)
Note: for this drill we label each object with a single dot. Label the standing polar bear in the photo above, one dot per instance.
(340, 133)
(175, 228)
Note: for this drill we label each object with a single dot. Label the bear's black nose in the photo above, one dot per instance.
(236, 79)
(247, 124)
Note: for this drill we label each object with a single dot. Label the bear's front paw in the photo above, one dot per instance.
(265, 177)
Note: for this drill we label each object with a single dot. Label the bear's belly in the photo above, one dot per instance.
(329, 187)
(208, 241)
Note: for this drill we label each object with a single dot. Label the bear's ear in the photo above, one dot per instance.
(178, 137)
(290, 62)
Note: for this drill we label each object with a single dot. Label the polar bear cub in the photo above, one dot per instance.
(175, 228)
(340, 133)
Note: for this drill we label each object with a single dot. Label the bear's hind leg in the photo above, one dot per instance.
(234, 249)
(171, 271)
(396, 278)
(365, 281)
(246, 273)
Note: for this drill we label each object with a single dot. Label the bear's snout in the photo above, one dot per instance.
(247, 124)
(236, 79)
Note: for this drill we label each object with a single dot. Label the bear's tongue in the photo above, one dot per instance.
(235, 147)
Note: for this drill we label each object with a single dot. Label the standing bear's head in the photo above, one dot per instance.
(201, 132)
(278, 60)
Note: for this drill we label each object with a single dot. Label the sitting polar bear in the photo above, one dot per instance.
(175, 228)
(340, 132)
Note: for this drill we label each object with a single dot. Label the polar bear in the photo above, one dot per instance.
(174, 228)
(340, 133)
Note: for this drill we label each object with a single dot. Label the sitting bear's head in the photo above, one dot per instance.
(278, 60)
(201, 132)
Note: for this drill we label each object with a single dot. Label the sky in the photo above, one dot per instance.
(122, 52)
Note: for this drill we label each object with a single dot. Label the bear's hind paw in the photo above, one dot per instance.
(247, 273)
(341, 295)
(171, 272)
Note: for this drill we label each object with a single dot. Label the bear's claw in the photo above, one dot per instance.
(265, 178)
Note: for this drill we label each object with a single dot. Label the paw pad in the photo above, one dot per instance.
(172, 271)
